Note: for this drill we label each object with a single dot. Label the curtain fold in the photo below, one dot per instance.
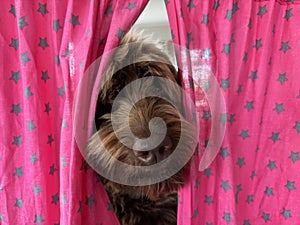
(252, 49)
(46, 46)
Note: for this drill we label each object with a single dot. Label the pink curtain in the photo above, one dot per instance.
(253, 50)
(45, 47)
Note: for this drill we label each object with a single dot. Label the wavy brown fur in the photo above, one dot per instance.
(139, 205)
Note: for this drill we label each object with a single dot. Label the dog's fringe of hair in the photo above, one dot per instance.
(136, 49)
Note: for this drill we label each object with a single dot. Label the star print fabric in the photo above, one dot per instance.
(45, 47)
(253, 50)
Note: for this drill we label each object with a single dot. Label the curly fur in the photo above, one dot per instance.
(139, 205)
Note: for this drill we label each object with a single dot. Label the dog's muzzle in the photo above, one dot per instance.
(149, 157)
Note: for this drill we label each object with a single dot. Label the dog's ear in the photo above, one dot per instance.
(102, 108)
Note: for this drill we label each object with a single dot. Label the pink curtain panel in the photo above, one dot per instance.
(45, 48)
(252, 48)
(245, 170)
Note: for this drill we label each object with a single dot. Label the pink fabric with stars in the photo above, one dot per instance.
(253, 49)
(45, 47)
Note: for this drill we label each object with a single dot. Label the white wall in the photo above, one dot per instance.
(154, 19)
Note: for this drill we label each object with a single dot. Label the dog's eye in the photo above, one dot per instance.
(145, 154)
(162, 149)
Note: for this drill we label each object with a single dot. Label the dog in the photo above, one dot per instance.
(154, 203)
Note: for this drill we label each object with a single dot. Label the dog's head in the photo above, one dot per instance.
(131, 129)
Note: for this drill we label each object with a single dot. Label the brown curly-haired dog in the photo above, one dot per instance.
(154, 204)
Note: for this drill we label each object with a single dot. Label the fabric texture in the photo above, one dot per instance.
(253, 50)
(45, 47)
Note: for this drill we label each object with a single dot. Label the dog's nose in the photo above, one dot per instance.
(156, 155)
